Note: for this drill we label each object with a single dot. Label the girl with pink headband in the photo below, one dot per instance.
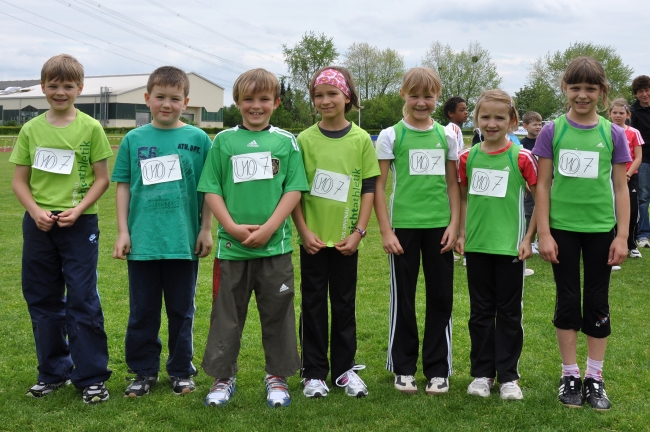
(331, 219)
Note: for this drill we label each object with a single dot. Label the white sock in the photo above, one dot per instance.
(594, 369)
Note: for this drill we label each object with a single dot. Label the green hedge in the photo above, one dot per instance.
(9, 130)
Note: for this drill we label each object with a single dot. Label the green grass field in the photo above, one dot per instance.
(626, 368)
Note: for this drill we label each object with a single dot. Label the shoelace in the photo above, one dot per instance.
(486, 381)
(509, 384)
(314, 382)
(351, 376)
(222, 385)
(276, 383)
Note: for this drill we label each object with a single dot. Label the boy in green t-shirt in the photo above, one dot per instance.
(252, 181)
(61, 172)
(164, 226)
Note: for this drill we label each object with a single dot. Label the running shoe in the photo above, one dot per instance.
(221, 392)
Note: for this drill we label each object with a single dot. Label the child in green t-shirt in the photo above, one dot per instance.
(341, 168)
(61, 172)
(164, 226)
(252, 181)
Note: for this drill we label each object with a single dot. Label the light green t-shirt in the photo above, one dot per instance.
(251, 171)
(164, 218)
(342, 163)
(84, 138)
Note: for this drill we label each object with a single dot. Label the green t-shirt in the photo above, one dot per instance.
(419, 198)
(164, 218)
(251, 171)
(580, 183)
(495, 224)
(342, 163)
(79, 145)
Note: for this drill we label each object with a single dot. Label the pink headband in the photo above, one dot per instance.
(333, 78)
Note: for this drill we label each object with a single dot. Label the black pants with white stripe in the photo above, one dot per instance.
(403, 342)
(496, 288)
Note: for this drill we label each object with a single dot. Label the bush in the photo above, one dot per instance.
(9, 130)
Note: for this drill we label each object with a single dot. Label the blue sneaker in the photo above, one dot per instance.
(277, 391)
(221, 392)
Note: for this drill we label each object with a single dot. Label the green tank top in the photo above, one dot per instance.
(419, 198)
(495, 222)
(582, 194)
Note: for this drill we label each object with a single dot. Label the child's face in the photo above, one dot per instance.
(494, 121)
(166, 103)
(419, 106)
(583, 97)
(330, 101)
(643, 96)
(533, 128)
(618, 114)
(61, 94)
(460, 115)
(256, 108)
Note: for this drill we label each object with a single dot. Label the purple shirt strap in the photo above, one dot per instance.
(544, 144)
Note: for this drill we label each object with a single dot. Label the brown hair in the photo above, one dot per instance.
(497, 95)
(531, 116)
(587, 70)
(639, 83)
(63, 67)
(354, 97)
(169, 76)
(420, 79)
(621, 102)
(257, 81)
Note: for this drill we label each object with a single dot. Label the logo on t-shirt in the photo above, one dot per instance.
(228, 245)
(253, 144)
(507, 168)
(275, 164)
(600, 145)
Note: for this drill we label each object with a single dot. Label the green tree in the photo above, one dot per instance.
(379, 112)
(375, 71)
(548, 70)
(231, 116)
(536, 96)
(466, 73)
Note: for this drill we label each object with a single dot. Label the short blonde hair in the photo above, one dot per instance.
(621, 103)
(169, 76)
(258, 81)
(63, 67)
(497, 95)
(420, 79)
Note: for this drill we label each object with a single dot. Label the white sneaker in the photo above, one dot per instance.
(529, 272)
(480, 387)
(406, 384)
(511, 391)
(315, 388)
(534, 247)
(615, 268)
(634, 253)
(221, 392)
(456, 257)
(277, 391)
(464, 261)
(643, 242)
(437, 386)
(353, 385)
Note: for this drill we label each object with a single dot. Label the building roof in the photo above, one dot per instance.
(18, 83)
(118, 84)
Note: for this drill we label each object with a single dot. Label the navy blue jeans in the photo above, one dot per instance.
(68, 330)
(149, 282)
(643, 230)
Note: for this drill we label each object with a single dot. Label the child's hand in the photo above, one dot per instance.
(203, 243)
(548, 248)
(459, 247)
(525, 249)
(617, 252)
(242, 232)
(122, 246)
(68, 217)
(44, 220)
(448, 241)
(391, 244)
(311, 242)
(349, 245)
(258, 237)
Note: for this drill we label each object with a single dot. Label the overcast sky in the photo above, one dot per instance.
(221, 39)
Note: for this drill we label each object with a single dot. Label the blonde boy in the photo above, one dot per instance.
(61, 172)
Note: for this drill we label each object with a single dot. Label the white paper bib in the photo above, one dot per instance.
(57, 161)
(576, 163)
(252, 166)
(161, 169)
(330, 185)
(489, 182)
(427, 162)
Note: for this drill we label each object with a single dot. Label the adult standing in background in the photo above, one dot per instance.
(640, 120)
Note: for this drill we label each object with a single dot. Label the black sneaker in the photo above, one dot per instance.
(571, 392)
(95, 393)
(140, 385)
(41, 389)
(595, 395)
(181, 386)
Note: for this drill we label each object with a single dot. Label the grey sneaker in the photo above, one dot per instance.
(140, 385)
(315, 388)
(41, 389)
(95, 393)
(437, 386)
(353, 385)
(181, 386)
(480, 387)
(406, 384)
(643, 242)
(511, 391)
